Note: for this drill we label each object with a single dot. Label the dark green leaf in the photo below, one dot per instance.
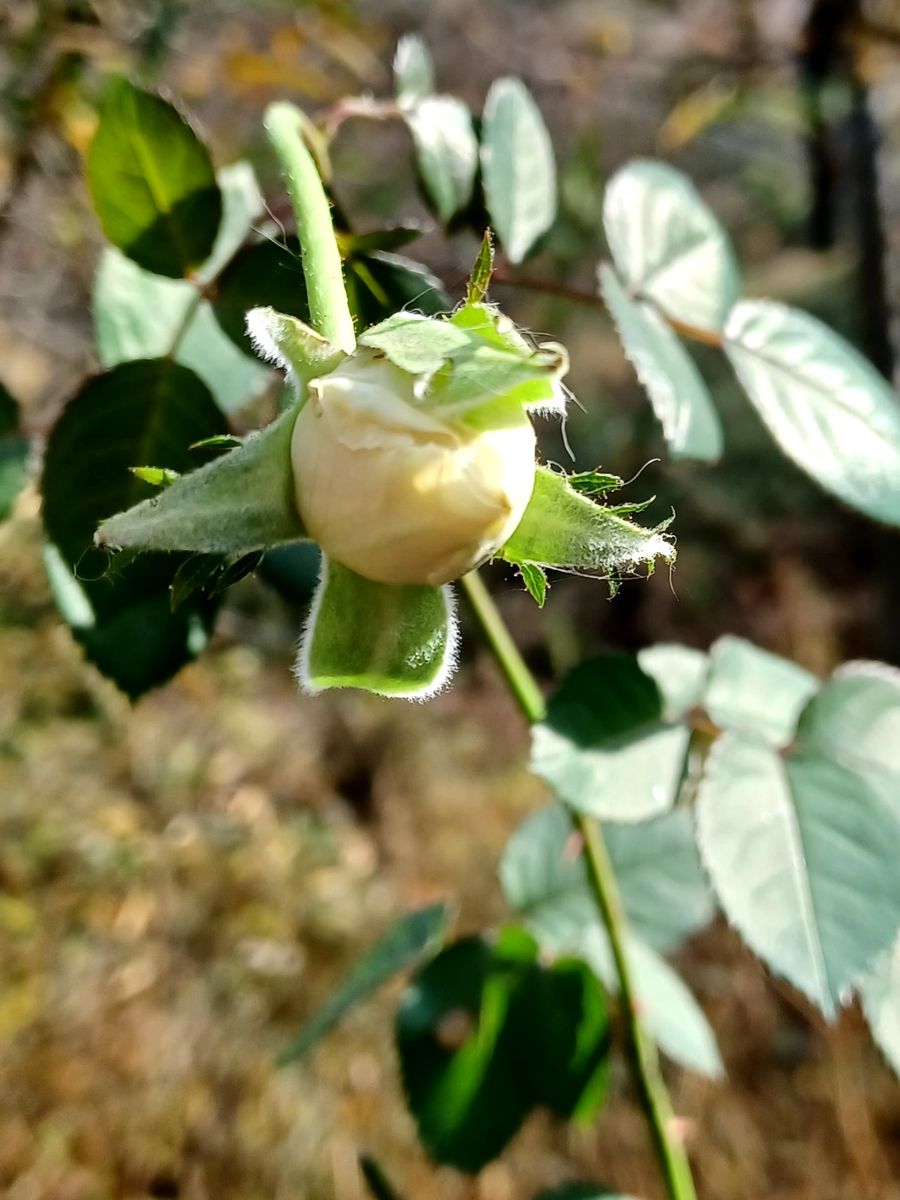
(210, 575)
(144, 410)
(267, 274)
(393, 237)
(381, 284)
(14, 450)
(403, 945)
(518, 168)
(375, 1179)
(480, 279)
(604, 747)
(581, 1191)
(152, 182)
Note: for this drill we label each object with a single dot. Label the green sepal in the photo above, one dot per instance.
(415, 343)
(562, 528)
(240, 502)
(535, 580)
(290, 344)
(393, 640)
(482, 270)
(542, 392)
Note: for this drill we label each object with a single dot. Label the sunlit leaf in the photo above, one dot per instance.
(754, 691)
(824, 404)
(680, 398)
(446, 152)
(668, 246)
(803, 856)
(413, 70)
(152, 182)
(518, 168)
(680, 674)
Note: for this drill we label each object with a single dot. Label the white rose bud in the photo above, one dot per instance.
(393, 491)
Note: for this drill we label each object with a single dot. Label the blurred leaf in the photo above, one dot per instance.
(395, 640)
(404, 944)
(242, 501)
(152, 182)
(446, 152)
(485, 1034)
(120, 613)
(483, 269)
(668, 246)
(242, 206)
(413, 70)
(855, 719)
(210, 575)
(824, 404)
(562, 528)
(267, 274)
(381, 284)
(292, 570)
(667, 1008)
(393, 237)
(604, 747)
(375, 1179)
(880, 995)
(679, 396)
(803, 856)
(680, 673)
(751, 690)
(657, 867)
(580, 1191)
(140, 315)
(518, 168)
(14, 450)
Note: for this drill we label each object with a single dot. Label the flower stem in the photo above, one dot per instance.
(605, 890)
(328, 308)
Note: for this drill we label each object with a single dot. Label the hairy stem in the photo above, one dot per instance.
(605, 890)
(328, 308)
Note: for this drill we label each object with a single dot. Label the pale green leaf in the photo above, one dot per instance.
(446, 151)
(752, 690)
(518, 168)
(825, 405)
(242, 206)
(563, 529)
(405, 943)
(803, 856)
(413, 70)
(415, 343)
(656, 865)
(855, 718)
(880, 995)
(680, 674)
(680, 398)
(668, 246)
(392, 640)
(240, 502)
(604, 748)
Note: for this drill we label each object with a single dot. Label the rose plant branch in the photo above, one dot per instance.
(604, 889)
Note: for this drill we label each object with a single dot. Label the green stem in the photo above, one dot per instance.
(328, 308)
(604, 887)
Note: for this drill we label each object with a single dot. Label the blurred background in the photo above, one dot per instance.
(184, 879)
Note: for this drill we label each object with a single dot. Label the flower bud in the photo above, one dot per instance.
(394, 490)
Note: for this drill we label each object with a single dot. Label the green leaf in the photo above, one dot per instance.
(242, 206)
(535, 582)
(158, 476)
(680, 398)
(824, 404)
(483, 379)
(563, 529)
(381, 284)
(242, 501)
(656, 864)
(152, 182)
(483, 269)
(446, 152)
(667, 1007)
(291, 345)
(265, 275)
(413, 71)
(140, 315)
(754, 691)
(141, 410)
(680, 673)
(604, 747)
(392, 640)
(417, 344)
(14, 451)
(541, 390)
(404, 944)
(517, 167)
(880, 995)
(485, 1034)
(668, 246)
(803, 856)
(595, 483)
(855, 719)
